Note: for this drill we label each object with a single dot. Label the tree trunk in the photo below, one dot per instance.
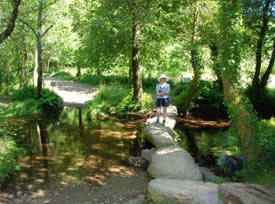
(22, 62)
(240, 109)
(136, 47)
(242, 116)
(4, 74)
(130, 71)
(39, 50)
(35, 72)
(2, 71)
(10, 27)
(195, 61)
(215, 63)
(78, 74)
(98, 70)
(259, 47)
(38, 69)
(266, 75)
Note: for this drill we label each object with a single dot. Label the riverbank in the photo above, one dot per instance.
(117, 184)
(119, 188)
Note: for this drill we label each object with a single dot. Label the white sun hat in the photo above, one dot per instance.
(163, 76)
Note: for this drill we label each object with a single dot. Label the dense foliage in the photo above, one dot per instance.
(25, 102)
(9, 153)
(228, 44)
(118, 101)
(263, 102)
(209, 102)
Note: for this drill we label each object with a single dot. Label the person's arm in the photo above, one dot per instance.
(167, 90)
(157, 90)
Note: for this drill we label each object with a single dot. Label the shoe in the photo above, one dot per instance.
(163, 122)
(157, 120)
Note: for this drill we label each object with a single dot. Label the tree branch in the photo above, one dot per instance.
(47, 30)
(6, 33)
(24, 22)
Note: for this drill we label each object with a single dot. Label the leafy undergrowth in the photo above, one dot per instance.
(24, 102)
(9, 151)
(118, 101)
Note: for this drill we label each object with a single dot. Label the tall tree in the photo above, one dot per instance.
(258, 18)
(136, 48)
(195, 59)
(39, 34)
(240, 109)
(258, 83)
(10, 27)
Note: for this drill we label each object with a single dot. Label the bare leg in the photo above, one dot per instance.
(164, 113)
(158, 112)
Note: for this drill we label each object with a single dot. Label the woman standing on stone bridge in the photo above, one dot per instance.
(162, 90)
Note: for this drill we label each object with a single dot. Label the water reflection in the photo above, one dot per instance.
(69, 149)
(206, 143)
(44, 138)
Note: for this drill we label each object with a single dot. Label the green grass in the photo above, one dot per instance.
(64, 75)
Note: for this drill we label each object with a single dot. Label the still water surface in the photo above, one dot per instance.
(70, 148)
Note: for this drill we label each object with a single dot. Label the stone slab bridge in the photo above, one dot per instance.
(177, 179)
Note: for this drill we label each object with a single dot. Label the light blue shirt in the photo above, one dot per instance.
(163, 87)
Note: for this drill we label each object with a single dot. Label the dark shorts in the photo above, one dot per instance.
(162, 102)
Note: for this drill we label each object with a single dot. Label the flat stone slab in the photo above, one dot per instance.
(239, 193)
(158, 135)
(147, 153)
(173, 191)
(173, 162)
(207, 174)
(170, 119)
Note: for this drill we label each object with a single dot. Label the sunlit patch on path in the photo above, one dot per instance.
(73, 93)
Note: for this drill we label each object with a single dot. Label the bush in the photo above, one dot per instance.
(208, 103)
(50, 102)
(263, 102)
(105, 80)
(8, 154)
(129, 105)
(148, 83)
(64, 75)
(106, 100)
(25, 102)
(118, 101)
(266, 134)
(228, 141)
(27, 92)
(179, 92)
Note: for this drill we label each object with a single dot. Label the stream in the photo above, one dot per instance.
(69, 149)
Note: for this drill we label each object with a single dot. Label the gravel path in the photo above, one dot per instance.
(127, 186)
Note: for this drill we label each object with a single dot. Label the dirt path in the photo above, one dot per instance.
(127, 186)
(73, 93)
